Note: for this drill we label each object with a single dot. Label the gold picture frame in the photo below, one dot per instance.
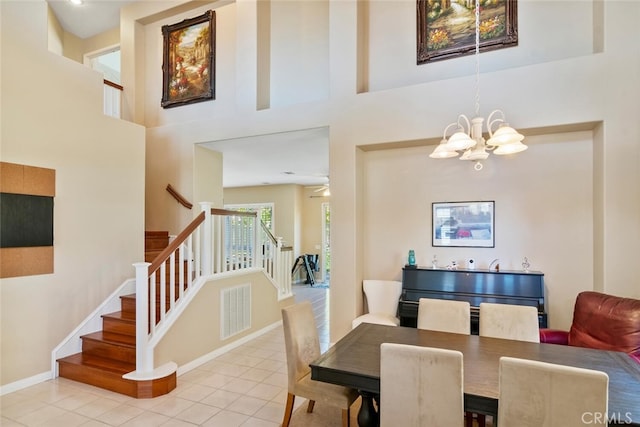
(446, 28)
(188, 69)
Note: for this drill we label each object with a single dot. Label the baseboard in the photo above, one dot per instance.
(25, 382)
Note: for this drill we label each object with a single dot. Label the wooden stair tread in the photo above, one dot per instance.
(112, 338)
(110, 353)
(121, 315)
(96, 362)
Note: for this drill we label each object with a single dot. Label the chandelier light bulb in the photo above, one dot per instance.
(512, 148)
(442, 151)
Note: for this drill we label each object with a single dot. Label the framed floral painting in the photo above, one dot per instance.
(188, 69)
(447, 28)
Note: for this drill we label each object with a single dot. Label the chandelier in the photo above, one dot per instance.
(468, 139)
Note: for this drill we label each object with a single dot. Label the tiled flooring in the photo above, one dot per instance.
(244, 387)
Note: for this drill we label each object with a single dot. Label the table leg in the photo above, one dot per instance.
(368, 416)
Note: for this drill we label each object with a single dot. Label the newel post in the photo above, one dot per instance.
(144, 357)
(207, 240)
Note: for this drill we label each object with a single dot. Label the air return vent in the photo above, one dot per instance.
(235, 310)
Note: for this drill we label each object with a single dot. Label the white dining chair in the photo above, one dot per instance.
(420, 386)
(540, 394)
(382, 302)
(302, 347)
(514, 322)
(444, 315)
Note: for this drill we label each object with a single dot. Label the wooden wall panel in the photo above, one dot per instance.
(21, 179)
(16, 262)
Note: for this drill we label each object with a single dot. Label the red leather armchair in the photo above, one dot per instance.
(601, 321)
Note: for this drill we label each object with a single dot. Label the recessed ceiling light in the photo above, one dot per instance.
(76, 2)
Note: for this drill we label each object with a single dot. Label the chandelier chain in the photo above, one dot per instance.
(477, 16)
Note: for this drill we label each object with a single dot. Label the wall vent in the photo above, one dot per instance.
(235, 310)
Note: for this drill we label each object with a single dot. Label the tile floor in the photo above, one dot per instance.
(244, 387)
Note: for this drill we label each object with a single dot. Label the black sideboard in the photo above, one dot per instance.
(473, 286)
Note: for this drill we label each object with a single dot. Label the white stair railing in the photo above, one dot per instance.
(216, 242)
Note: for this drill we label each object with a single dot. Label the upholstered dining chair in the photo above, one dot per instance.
(514, 322)
(382, 301)
(448, 316)
(420, 386)
(539, 394)
(302, 347)
(444, 315)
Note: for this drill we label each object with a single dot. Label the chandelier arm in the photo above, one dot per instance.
(491, 121)
(444, 136)
(468, 129)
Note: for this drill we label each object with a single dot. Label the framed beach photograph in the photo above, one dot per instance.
(463, 224)
(446, 28)
(188, 68)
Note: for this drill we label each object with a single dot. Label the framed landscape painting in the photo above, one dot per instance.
(463, 224)
(188, 69)
(446, 28)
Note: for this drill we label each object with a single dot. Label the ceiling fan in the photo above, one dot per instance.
(324, 188)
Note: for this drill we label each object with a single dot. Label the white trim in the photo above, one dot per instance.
(158, 373)
(24, 383)
(87, 57)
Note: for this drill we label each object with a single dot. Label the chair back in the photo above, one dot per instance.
(540, 394)
(444, 315)
(514, 322)
(301, 340)
(382, 295)
(606, 322)
(420, 386)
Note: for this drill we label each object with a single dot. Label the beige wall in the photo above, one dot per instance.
(197, 333)
(52, 117)
(543, 210)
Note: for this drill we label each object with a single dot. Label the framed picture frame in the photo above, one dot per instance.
(188, 68)
(446, 29)
(463, 224)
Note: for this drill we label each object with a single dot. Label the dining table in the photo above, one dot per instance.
(354, 361)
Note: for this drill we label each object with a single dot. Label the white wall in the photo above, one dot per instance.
(52, 118)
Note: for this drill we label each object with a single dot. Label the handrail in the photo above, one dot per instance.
(227, 212)
(184, 202)
(268, 233)
(175, 244)
(113, 85)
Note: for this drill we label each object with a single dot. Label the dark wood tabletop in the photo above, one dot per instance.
(354, 361)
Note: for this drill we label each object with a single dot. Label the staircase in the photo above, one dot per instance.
(109, 354)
